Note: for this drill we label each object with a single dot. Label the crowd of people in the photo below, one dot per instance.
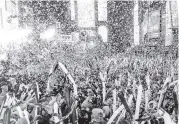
(127, 96)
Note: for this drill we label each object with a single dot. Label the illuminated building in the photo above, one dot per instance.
(8, 14)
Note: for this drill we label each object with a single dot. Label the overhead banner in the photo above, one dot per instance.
(66, 38)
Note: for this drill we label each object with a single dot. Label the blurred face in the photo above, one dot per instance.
(110, 101)
(4, 89)
(46, 102)
(11, 94)
(43, 112)
(59, 98)
(29, 109)
(90, 93)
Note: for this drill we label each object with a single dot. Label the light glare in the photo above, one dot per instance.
(48, 34)
(16, 35)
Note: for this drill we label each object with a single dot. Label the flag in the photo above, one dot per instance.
(167, 118)
(115, 114)
(70, 77)
(52, 70)
(119, 110)
(103, 78)
(6, 117)
(139, 97)
(3, 99)
(27, 116)
(37, 91)
(124, 102)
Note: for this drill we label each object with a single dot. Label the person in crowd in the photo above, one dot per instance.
(3, 94)
(54, 105)
(107, 108)
(88, 103)
(97, 116)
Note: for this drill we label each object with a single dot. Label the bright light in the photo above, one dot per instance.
(3, 57)
(91, 44)
(103, 32)
(15, 35)
(48, 34)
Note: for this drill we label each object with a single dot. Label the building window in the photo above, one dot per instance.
(154, 23)
(72, 5)
(1, 19)
(86, 13)
(174, 20)
(174, 13)
(102, 10)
